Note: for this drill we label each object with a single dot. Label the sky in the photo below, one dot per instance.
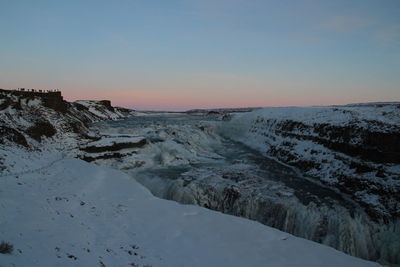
(184, 54)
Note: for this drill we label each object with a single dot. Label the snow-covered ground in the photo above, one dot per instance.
(77, 214)
(57, 210)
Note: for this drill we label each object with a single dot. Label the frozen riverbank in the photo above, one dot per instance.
(77, 214)
(187, 160)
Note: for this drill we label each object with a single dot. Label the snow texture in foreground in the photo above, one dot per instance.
(77, 214)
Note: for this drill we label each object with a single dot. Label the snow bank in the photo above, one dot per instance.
(77, 214)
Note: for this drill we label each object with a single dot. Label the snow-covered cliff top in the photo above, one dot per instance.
(362, 115)
(355, 148)
(28, 118)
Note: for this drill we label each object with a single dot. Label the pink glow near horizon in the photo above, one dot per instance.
(142, 100)
(178, 55)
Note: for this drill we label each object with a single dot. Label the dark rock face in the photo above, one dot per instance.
(6, 102)
(374, 146)
(55, 101)
(78, 127)
(356, 158)
(213, 112)
(115, 155)
(40, 129)
(115, 146)
(48, 113)
(13, 136)
(107, 104)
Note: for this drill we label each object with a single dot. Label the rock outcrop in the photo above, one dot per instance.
(27, 117)
(353, 148)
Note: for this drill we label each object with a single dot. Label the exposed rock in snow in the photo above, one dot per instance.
(354, 148)
(111, 147)
(167, 144)
(218, 111)
(113, 144)
(101, 110)
(28, 118)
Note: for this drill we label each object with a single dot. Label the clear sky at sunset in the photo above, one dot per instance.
(182, 54)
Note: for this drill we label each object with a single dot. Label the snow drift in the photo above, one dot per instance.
(77, 214)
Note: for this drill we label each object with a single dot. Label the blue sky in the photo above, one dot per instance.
(191, 54)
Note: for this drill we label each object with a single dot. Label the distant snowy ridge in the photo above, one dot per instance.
(27, 118)
(354, 148)
(102, 110)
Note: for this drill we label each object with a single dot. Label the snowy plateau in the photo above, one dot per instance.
(89, 184)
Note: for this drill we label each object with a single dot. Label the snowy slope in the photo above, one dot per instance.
(29, 120)
(353, 148)
(77, 214)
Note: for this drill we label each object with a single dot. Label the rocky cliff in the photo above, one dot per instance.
(28, 118)
(353, 148)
